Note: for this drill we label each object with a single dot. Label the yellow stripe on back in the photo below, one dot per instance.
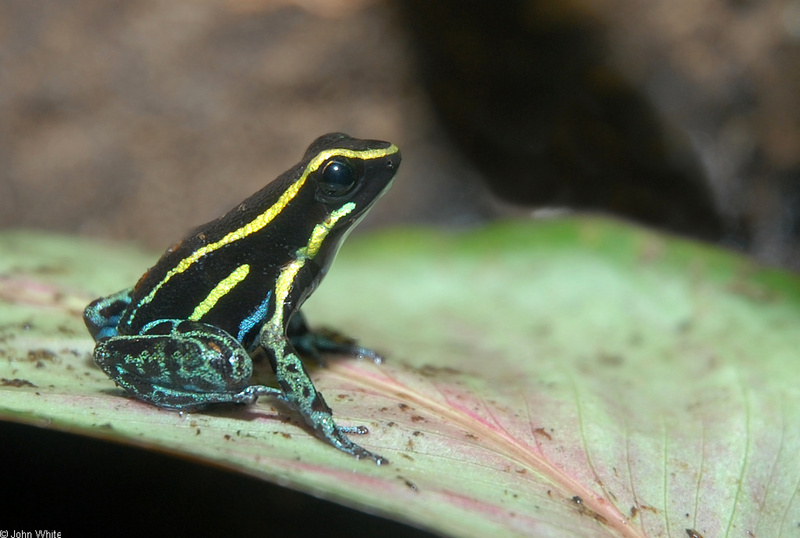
(220, 290)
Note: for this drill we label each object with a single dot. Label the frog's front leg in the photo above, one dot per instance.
(300, 393)
(313, 343)
(179, 364)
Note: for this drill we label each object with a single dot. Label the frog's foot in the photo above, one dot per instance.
(335, 435)
(312, 344)
(322, 422)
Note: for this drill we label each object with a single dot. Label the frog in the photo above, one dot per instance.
(185, 335)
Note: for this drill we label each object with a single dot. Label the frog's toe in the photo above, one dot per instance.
(358, 430)
(253, 392)
(366, 353)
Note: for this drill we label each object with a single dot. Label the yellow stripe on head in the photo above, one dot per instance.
(321, 230)
(363, 154)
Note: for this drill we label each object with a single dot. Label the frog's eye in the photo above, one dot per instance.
(338, 177)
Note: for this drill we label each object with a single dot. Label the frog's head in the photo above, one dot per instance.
(349, 174)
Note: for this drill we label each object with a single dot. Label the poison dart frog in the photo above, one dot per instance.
(183, 336)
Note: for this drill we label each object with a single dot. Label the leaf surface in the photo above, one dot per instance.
(577, 377)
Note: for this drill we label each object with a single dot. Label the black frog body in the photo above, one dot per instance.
(181, 338)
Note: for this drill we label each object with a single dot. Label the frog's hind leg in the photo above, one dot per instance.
(102, 315)
(182, 365)
(182, 399)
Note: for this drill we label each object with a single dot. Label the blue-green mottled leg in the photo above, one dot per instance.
(180, 364)
(311, 343)
(300, 393)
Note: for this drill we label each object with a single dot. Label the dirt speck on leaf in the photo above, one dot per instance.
(16, 382)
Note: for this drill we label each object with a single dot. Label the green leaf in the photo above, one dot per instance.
(576, 377)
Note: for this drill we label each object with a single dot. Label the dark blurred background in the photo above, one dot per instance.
(138, 120)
